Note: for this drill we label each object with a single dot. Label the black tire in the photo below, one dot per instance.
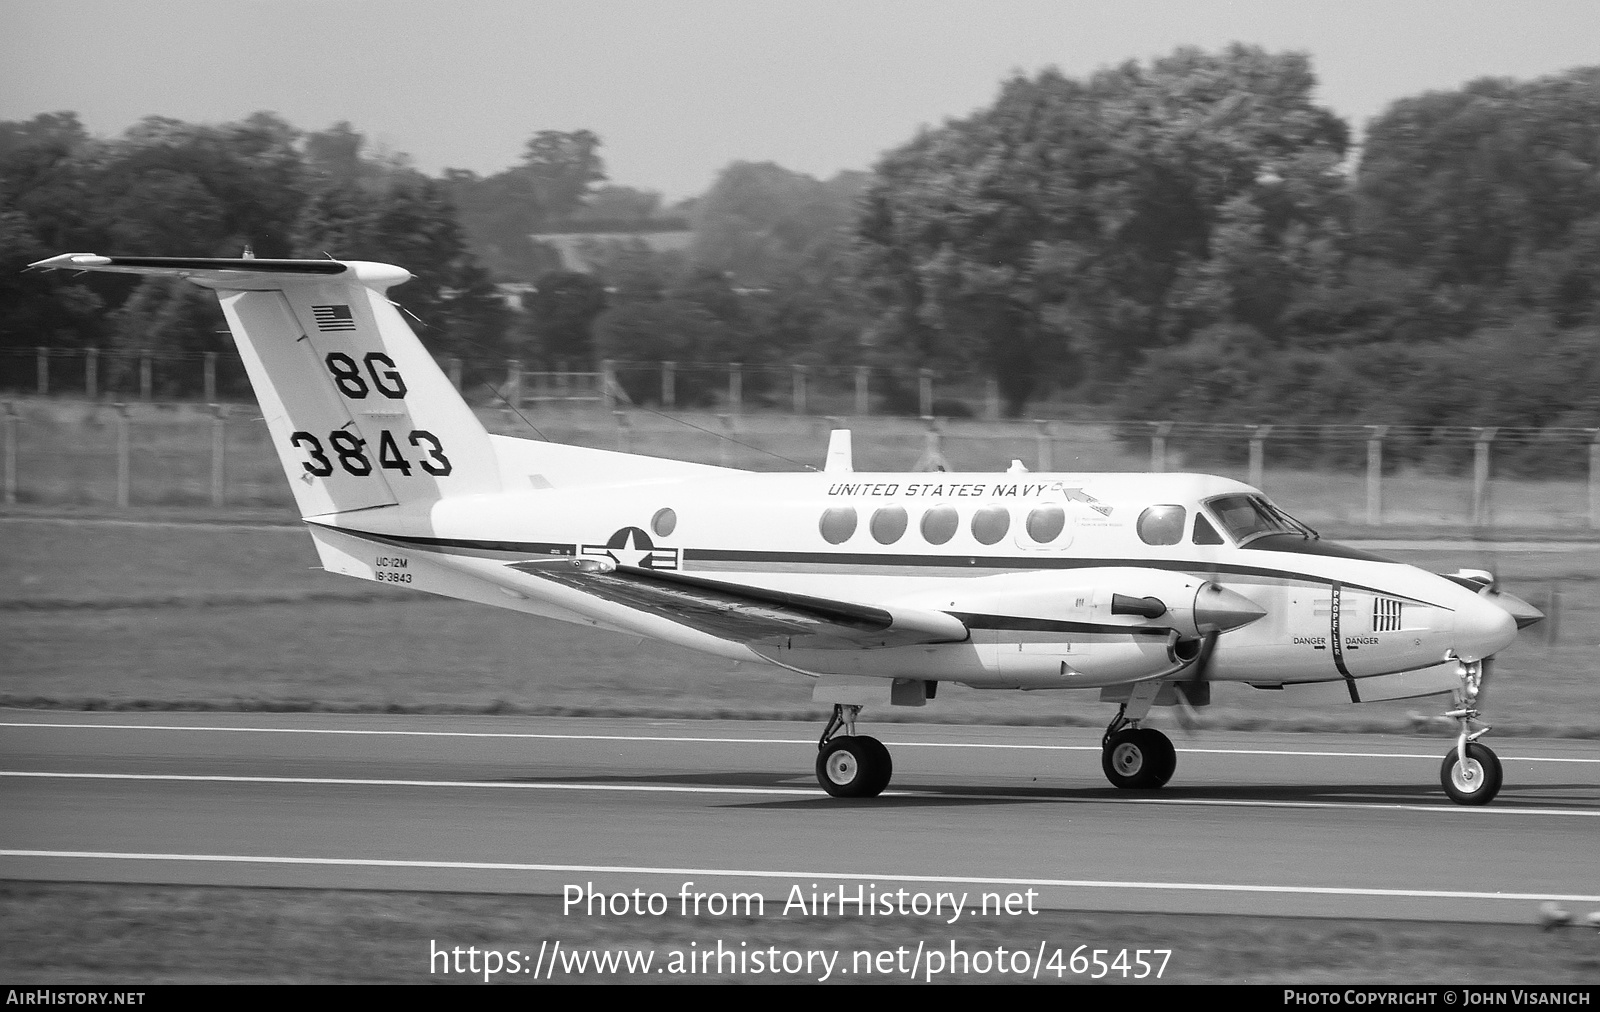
(1139, 759)
(851, 766)
(1474, 782)
(1167, 756)
(882, 765)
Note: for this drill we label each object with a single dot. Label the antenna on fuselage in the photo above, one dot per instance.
(840, 457)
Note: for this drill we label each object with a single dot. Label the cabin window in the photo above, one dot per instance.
(1045, 523)
(1204, 533)
(1162, 525)
(838, 524)
(664, 522)
(888, 524)
(990, 524)
(939, 524)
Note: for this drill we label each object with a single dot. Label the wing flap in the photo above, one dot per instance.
(750, 614)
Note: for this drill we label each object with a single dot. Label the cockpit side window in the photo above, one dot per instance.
(1204, 533)
(1247, 517)
(1162, 525)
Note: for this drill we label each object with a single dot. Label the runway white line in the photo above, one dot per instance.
(791, 791)
(1433, 756)
(458, 784)
(683, 873)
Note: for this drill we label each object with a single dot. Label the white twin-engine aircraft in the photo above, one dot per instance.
(1147, 587)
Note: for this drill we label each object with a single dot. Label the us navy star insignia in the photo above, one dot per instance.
(631, 546)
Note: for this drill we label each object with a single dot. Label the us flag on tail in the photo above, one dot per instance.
(333, 318)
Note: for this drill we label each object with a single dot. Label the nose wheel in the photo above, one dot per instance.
(1473, 780)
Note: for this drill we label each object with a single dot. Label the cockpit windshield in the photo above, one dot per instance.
(1247, 517)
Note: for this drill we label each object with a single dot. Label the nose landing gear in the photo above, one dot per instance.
(1470, 774)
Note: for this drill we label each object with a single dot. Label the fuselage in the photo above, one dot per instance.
(1030, 562)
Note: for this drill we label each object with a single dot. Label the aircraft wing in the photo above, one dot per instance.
(748, 614)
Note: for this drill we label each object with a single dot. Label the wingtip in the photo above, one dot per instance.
(71, 260)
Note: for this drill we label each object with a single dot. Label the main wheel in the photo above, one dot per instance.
(1474, 780)
(854, 766)
(1140, 758)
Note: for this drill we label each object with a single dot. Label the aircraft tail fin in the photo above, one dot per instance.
(360, 414)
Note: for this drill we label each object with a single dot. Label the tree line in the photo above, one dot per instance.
(1192, 238)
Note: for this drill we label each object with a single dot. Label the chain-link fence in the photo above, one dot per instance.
(69, 452)
(210, 377)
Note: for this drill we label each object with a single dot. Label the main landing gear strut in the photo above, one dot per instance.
(1471, 772)
(851, 765)
(1133, 757)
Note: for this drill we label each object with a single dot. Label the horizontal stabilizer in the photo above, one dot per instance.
(236, 274)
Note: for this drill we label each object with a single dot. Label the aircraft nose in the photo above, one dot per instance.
(1218, 609)
(1482, 628)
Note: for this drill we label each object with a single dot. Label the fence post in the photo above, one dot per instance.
(1594, 479)
(1044, 440)
(1482, 438)
(219, 452)
(1158, 446)
(122, 454)
(799, 373)
(11, 453)
(624, 432)
(1258, 452)
(925, 391)
(991, 398)
(91, 373)
(453, 364)
(209, 378)
(1552, 620)
(608, 384)
(863, 395)
(514, 381)
(932, 447)
(1375, 474)
(725, 444)
(145, 376)
(669, 385)
(735, 386)
(41, 370)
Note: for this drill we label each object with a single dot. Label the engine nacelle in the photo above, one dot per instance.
(1107, 599)
(1051, 630)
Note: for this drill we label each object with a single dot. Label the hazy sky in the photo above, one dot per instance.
(677, 90)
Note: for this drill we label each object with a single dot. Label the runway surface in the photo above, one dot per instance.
(1265, 823)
